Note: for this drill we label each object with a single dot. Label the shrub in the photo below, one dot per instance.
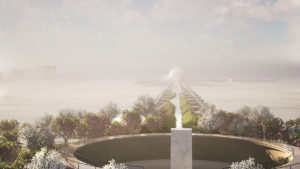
(11, 135)
(113, 165)
(294, 139)
(47, 160)
(131, 122)
(8, 150)
(116, 128)
(246, 164)
(23, 159)
(185, 105)
(167, 114)
(25, 155)
(190, 120)
(153, 124)
(8, 125)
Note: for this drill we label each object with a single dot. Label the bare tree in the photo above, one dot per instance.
(111, 110)
(145, 105)
(38, 135)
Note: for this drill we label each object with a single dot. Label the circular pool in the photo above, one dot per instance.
(153, 151)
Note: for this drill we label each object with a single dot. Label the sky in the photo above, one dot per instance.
(135, 38)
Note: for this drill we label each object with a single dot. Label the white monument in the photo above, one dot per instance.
(181, 148)
(181, 138)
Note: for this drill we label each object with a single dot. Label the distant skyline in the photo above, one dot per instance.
(136, 38)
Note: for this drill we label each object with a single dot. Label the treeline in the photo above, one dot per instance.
(144, 118)
(250, 122)
(19, 144)
(189, 118)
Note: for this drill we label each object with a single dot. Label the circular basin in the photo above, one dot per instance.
(153, 151)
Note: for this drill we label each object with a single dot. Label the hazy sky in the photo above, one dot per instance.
(206, 38)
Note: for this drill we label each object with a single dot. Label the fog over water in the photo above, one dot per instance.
(120, 41)
(27, 100)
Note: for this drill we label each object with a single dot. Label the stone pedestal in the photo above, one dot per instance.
(181, 148)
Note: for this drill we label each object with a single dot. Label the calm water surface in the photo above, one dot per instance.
(27, 100)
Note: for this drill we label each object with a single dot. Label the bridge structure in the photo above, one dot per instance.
(198, 104)
(164, 96)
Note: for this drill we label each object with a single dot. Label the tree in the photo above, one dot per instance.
(29, 137)
(145, 105)
(8, 125)
(261, 122)
(111, 110)
(131, 122)
(96, 124)
(293, 125)
(246, 164)
(38, 135)
(47, 160)
(81, 129)
(46, 134)
(251, 120)
(271, 128)
(65, 124)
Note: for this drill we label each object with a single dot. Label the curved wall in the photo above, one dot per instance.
(157, 146)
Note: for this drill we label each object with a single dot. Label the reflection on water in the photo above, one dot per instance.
(27, 100)
(165, 163)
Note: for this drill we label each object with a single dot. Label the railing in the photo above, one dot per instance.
(267, 164)
(80, 165)
(291, 166)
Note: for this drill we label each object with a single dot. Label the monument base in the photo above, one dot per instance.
(181, 148)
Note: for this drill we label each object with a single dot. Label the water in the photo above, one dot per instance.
(165, 163)
(283, 98)
(27, 100)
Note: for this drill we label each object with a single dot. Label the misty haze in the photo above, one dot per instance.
(150, 84)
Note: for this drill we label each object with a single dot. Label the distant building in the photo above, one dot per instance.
(229, 80)
(47, 71)
(20, 73)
